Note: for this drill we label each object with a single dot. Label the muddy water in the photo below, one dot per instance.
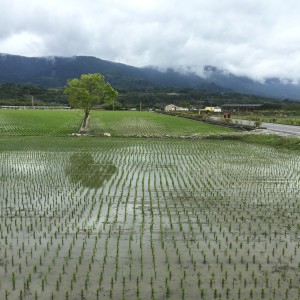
(178, 220)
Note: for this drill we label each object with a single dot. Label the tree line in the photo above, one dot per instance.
(21, 94)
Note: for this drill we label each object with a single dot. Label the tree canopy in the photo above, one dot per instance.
(87, 91)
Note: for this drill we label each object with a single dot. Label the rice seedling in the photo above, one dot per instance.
(121, 218)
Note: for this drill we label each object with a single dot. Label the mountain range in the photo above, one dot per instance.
(53, 72)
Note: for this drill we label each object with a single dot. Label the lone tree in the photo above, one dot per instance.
(87, 91)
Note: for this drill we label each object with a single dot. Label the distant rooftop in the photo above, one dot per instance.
(242, 105)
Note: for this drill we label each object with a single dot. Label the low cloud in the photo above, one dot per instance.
(254, 38)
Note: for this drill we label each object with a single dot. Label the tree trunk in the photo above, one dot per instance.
(86, 115)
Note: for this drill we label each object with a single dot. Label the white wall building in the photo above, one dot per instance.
(173, 107)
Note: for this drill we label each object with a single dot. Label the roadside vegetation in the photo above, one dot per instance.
(272, 119)
(281, 113)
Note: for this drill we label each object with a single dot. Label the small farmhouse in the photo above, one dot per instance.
(172, 107)
(215, 109)
(209, 108)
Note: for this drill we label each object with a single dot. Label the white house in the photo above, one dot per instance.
(173, 107)
(170, 107)
(178, 108)
(216, 109)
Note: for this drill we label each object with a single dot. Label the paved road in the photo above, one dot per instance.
(281, 129)
(272, 128)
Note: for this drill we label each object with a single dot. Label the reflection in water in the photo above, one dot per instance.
(83, 168)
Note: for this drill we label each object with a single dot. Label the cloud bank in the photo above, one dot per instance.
(255, 38)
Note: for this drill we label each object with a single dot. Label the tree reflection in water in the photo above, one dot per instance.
(83, 169)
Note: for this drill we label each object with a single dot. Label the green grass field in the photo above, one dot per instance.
(91, 217)
(39, 122)
(130, 123)
(58, 122)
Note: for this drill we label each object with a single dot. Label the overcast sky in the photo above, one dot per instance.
(257, 38)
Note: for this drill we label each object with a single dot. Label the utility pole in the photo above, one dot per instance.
(141, 106)
(32, 102)
(113, 104)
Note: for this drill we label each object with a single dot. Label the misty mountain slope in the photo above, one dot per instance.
(54, 71)
(272, 87)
